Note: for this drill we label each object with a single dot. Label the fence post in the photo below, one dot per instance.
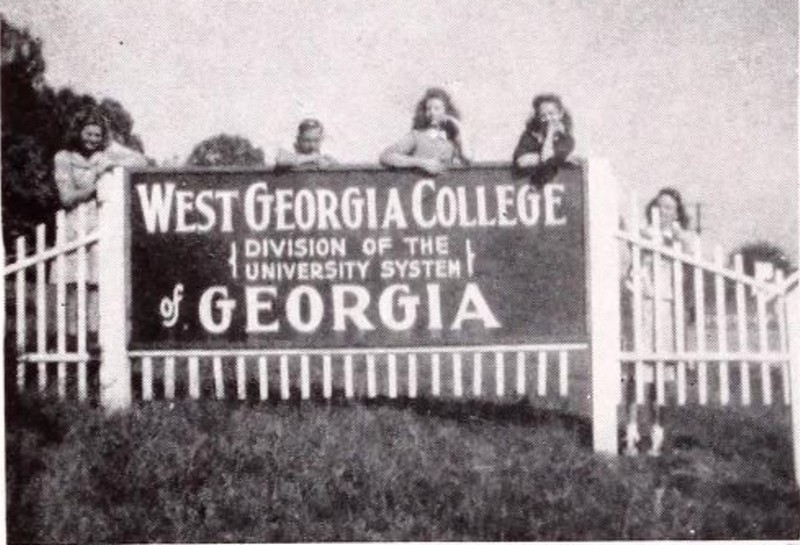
(604, 304)
(115, 369)
(793, 330)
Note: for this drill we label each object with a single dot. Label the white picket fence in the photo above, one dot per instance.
(36, 356)
(738, 327)
(737, 346)
(502, 372)
(46, 350)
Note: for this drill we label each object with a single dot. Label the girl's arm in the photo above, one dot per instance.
(526, 155)
(462, 142)
(122, 155)
(69, 193)
(285, 159)
(399, 155)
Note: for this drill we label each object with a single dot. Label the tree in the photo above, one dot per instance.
(121, 123)
(226, 150)
(36, 119)
(27, 192)
(753, 252)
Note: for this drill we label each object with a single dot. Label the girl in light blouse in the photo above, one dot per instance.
(78, 167)
(436, 140)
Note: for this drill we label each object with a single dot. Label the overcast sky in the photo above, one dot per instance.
(701, 95)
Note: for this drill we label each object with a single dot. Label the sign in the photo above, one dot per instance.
(355, 257)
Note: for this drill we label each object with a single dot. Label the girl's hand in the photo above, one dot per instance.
(553, 128)
(102, 162)
(454, 122)
(432, 166)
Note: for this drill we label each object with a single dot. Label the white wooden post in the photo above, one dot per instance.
(793, 326)
(793, 321)
(115, 368)
(604, 303)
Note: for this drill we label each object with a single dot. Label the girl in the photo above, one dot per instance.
(547, 139)
(77, 169)
(436, 140)
(668, 226)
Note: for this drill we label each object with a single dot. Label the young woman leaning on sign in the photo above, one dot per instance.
(77, 168)
(547, 139)
(436, 140)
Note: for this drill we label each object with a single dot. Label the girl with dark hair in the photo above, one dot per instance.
(77, 169)
(436, 140)
(672, 214)
(667, 226)
(547, 139)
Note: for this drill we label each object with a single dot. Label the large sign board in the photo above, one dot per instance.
(355, 257)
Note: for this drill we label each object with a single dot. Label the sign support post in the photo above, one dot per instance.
(115, 368)
(604, 307)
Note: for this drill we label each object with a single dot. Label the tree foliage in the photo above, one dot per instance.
(762, 251)
(226, 150)
(36, 119)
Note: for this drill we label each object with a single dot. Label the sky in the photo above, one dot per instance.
(700, 95)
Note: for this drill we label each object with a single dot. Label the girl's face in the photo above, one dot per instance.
(668, 210)
(435, 111)
(91, 137)
(549, 112)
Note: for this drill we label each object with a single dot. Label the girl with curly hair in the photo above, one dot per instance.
(547, 139)
(77, 169)
(436, 140)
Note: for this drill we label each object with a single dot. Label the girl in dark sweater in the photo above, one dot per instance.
(547, 140)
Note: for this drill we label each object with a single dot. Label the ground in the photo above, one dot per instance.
(386, 470)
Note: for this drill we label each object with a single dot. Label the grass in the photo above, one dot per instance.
(429, 470)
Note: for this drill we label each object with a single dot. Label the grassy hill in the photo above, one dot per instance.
(431, 470)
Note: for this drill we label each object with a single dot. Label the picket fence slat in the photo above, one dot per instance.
(766, 374)
(284, 365)
(477, 374)
(541, 374)
(194, 377)
(499, 374)
(639, 375)
(348, 376)
(61, 304)
(41, 308)
(263, 378)
(392, 368)
(327, 380)
(436, 375)
(783, 346)
(458, 375)
(219, 384)
(700, 323)
(681, 377)
(680, 327)
(305, 377)
(722, 327)
(563, 373)
(21, 325)
(741, 330)
(81, 277)
(241, 378)
(169, 377)
(638, 306)
(520, 373)
(412, 376)
(147, 378)
(372, 381)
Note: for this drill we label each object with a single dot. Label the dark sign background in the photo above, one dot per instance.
(533, 278)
